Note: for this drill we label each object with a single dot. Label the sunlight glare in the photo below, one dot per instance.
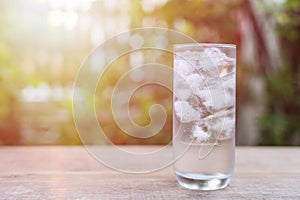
(55, 18)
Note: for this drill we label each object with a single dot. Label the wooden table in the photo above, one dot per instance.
(58, 172)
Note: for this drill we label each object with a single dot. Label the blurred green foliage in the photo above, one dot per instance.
(10, 82)
(31, 54)
(27, 40)
(205, 21)
(201, 20)
(280, 122)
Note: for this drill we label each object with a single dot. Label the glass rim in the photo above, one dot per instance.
(196, 44)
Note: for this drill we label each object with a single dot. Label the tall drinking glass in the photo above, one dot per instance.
(204, 90)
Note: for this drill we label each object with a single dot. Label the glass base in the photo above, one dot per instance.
(203, 182)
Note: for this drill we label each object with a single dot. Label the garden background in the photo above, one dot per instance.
(44, 42)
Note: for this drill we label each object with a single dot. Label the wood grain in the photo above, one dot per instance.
(71, 173)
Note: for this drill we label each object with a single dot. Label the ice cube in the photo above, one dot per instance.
(182, 93)
(213, 62)
(213, 54)
(229, 81)
(181, 89)
(216, 54)
(205, 97)
(222, 99)
(185, 112)
(214, 81)
(216, 99)
(226, 67)
(208, 67)
(221, 124)
(200, 134)
(184, 86)
(188, 55)
(195, 82)
(229, 125)
(183, 67)
(197, 104)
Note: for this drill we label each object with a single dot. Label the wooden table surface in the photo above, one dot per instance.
(59, 172)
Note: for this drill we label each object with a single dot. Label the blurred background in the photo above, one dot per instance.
(44, 42)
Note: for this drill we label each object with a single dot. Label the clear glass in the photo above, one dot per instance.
(204, 90)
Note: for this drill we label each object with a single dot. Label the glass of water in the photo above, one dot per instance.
(204, 90)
